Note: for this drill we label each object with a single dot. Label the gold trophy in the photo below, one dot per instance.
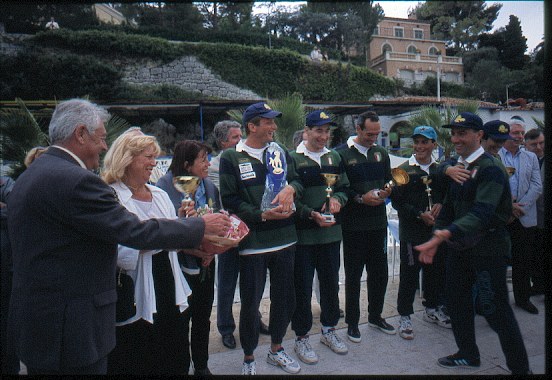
(510, 170)
(330, 180)
(400, 177)
(426, 180)
(187, 185)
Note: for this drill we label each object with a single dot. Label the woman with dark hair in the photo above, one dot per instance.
(190, 158)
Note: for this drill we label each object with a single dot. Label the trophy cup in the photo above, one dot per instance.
(187, 185)
(426, 180)
(510, 170)
(330, 180)
(400, 177)
(275, 160)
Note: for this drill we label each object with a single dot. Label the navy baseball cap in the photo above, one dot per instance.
(259, 109)
(426, 131)
(318, 118)
(466, 120)
(497, 130)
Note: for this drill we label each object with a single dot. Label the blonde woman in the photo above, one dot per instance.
(151, 340)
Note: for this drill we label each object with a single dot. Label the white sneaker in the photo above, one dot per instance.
(282, 359)
(304, 351)
(249, 368)
(437, 316)
(332, 340)
(405, 328)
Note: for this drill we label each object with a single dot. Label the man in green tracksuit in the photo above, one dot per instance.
(245, 172)
(368, 169)
(473, 222)
(318, 247)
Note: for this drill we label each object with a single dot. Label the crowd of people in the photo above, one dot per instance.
(115, 275)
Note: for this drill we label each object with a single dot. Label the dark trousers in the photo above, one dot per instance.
(160, 348)
(10, 362)
(523, 251)
(199, 314)
(282, 295)
(433, 279)
(364, 249)
(540, 261)
(227, 278)
(97, 368)
(488, 273)
(325, 259)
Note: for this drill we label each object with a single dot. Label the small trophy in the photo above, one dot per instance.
(330, 180)
(426, 180)
(400, 177)
(187, 185)
(275, 161)
(510, 170)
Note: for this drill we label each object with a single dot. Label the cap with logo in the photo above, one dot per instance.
(466, 120)
(497, 130)
(318, 118)
(259, 109)
(426, 131)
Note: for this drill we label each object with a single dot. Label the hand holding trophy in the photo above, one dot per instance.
(187, 185)
(399, 178)
(330, 180)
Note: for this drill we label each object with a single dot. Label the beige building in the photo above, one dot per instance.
(403, 49)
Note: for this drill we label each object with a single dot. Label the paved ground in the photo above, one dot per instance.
(383, 354)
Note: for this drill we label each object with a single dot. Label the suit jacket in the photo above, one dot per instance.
(64, 225)
(529, 184)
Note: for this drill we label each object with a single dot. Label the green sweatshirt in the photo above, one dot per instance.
(242, 184)
(314, 195)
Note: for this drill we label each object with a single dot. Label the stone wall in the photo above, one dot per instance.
(189, 74)
(11, 44)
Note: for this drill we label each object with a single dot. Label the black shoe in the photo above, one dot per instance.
(229, 341)
(263, 329)
(202, 372)
(341, 313)
(529, 307)
(353, 334)
(453, 361)
(383, 326)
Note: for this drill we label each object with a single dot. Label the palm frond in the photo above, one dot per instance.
(114, 127)
(538, 122)
(292, 119)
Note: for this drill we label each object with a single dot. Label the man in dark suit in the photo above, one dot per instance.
(64, 226)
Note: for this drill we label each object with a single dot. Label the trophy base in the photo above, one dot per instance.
(328, 218)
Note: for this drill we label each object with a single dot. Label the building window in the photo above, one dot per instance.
(386, 47)
(376, 31)
(399, 32)
(433, 51)
(418, 34)
(412, 49)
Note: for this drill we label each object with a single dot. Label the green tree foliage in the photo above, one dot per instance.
(471, 58)
(293, 117)
(169, 15)
(458, 22)
(509, 43)
(31, 17)
(225, 15)
(56, 76)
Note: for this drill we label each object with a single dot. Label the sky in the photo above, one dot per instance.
(530, 14)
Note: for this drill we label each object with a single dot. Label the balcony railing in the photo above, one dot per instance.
(397, 56)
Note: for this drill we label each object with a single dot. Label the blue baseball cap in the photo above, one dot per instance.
(426, 131)
(497, 130)
(318, 118)
(259, 109)
(466, 120)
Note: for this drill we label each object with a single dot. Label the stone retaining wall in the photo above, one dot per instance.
(189, 74)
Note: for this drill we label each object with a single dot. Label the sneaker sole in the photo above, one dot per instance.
(407, 337)
(305, 361)
(392, 332)
(330, 347)
(437, 322)
(269, 360)
(353, 339)
(457, 366)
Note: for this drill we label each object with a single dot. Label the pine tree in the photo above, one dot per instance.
(515, 45)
